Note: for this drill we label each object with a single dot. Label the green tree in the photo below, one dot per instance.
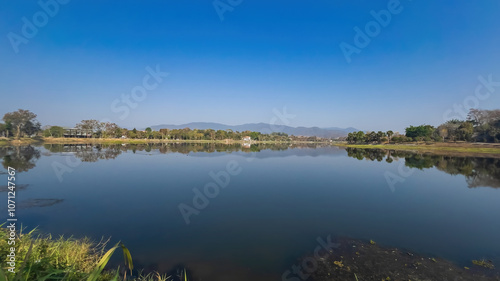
(141, 135)
(32, 128)
(449, 130)
(156, 135)
(8, 128)
(360, 137)
(210, 134)
(371, 136)
(465, 131)
(350, 138)
(55, 131)
(220, 134)
(132, 134)
(390, 134)
(3, 129)
(380, 136)
(24, 121)
(420, 132)
(254, 135)
(149, 133)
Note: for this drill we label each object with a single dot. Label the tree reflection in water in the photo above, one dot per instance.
(478, 171)
(92, 152)
(21, 158)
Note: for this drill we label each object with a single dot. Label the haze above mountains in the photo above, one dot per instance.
(332, 132)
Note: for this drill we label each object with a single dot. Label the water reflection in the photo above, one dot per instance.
(21, 158)
(272, 212)
(478, 171)
(86, 152)
(94, 152)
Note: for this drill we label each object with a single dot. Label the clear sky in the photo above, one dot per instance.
(76, 59)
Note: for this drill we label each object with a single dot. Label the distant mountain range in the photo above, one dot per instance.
(332, 132)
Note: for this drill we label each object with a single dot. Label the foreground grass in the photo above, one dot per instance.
(435, 147)
(41, 257)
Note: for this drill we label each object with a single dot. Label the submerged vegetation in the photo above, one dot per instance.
(483, 263)
(360, 260)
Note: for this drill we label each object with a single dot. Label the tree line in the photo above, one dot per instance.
(112, 130)
(480, 126)
(23, 123)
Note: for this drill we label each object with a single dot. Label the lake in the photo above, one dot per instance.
(228, 212)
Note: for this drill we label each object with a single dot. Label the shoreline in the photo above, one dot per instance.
(365, 260)
(460, 149)
(41, 141)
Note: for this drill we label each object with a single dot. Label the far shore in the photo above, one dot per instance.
(49, 140)
(454, 148)
(448, 148)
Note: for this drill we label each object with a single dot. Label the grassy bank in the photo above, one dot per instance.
(462, 148)
(41, 257)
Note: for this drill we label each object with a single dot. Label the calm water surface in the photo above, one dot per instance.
(280, 200)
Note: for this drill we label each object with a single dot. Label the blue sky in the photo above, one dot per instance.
(263, 55)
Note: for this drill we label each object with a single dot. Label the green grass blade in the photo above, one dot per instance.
(102, 263)
(50, 275)
(127, 258)
(32, 231)
(23, 265)
(3, 277)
